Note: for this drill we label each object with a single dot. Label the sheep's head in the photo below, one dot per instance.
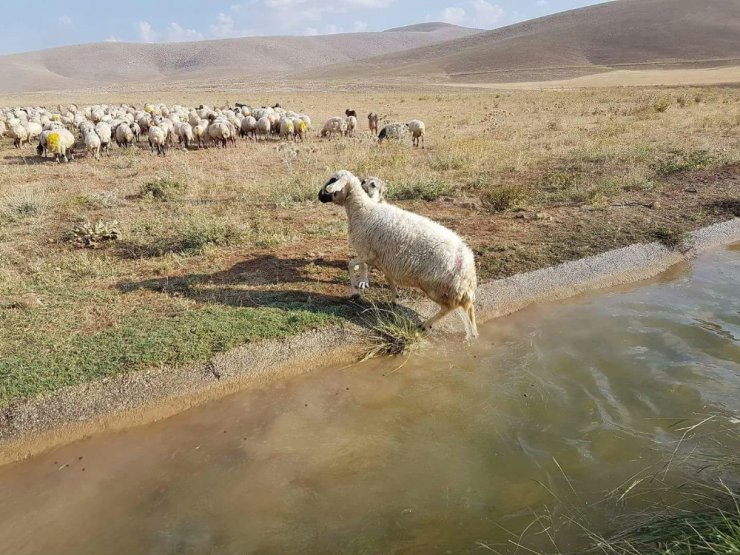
(337, 189)
(375, 188)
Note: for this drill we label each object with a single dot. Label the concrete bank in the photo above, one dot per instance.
(146, 396)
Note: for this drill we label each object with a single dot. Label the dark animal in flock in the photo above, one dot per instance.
(349, 113)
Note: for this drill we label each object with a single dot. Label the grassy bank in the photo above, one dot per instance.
(202, 251)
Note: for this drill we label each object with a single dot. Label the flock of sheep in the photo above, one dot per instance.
(410, 250)
(163, 126)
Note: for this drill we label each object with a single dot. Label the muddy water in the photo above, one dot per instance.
(455, 450)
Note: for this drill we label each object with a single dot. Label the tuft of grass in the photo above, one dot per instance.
(679, 161)
(710, 532)
(672, 237)
(188, 238)
(162, 188)
(505, 197)
(392, 332)
(428, 189)
(26, 203)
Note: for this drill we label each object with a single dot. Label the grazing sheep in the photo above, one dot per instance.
(104, 132)
(287, 129)
(301, 129)
(248, 127)
(184, 132)
(3, 129)
(351, 126)
(393, 131)
(19, 134)
(92, 142)
(200, 132)
(372, 122)
(60, 143)
(124, 135)
(158, 140)
(34, 130)
(409, 249)
(334, 125)
(263, 127)
(417, 129)
(219, 132)
(136, 130)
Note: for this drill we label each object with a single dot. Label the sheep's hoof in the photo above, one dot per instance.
(363, 285)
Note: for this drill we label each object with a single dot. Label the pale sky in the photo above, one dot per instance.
(37, 24)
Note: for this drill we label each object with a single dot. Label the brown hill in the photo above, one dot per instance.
(587, 40)
(103, 64)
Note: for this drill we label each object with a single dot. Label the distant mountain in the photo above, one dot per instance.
(102, 64)
(576, 42)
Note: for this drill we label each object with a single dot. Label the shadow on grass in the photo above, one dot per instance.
(226, 288)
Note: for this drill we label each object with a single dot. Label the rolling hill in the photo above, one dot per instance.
(623, 33)
(101, 64)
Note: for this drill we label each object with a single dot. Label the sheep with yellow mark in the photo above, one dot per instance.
(60, 143)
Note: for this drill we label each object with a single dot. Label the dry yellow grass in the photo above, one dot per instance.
(240, 249)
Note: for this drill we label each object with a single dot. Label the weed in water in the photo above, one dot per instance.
(392, 332)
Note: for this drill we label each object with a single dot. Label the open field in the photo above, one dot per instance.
(231, 246)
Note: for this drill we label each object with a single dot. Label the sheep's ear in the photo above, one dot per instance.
(333, 185)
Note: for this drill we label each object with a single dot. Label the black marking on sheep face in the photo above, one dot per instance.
(324, 195)
(383, 133)
(349, 113)
(39, 149)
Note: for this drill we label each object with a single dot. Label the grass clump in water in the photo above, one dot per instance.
(392, 332)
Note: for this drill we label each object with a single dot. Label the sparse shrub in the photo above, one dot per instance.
(91, 236)
(682, 100)
(662, 104)
(698, 98)
(505, 197)
(428, 190)
(447, 161)
(23, 204)
(200, 232)
(554, 125)
(678, 161)
(162, 188)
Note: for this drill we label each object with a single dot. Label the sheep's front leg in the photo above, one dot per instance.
(354, 263)
(364, 282)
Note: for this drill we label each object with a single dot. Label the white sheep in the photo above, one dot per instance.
(184, 132)
(157, 140)
(220, 132)
(351, 124)
(200, 132)
(104, 131)
(92, 142)
(417, 129)
(248, 127)
(263, 127)
(19, 134)
(375, 188)
(124, 135)
(410, 250)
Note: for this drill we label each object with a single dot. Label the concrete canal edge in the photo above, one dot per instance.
(143, 397)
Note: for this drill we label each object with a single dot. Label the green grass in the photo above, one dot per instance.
(712, 532)
(139, 341)
(425, 189)
(506, 197)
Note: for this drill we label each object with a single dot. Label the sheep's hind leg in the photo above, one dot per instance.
(393, 288)
(443, 311)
